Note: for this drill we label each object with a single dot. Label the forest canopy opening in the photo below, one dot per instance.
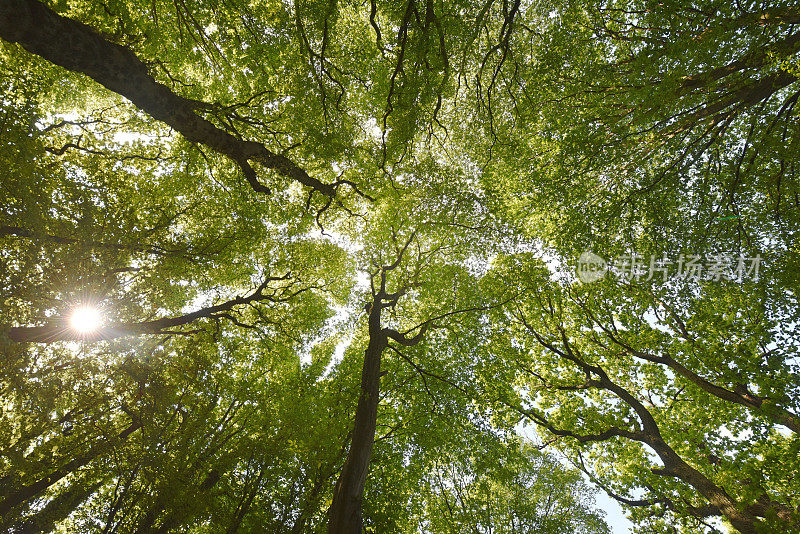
(329, 259)
(85, 319)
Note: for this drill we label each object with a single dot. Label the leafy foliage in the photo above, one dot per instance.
(261, 198)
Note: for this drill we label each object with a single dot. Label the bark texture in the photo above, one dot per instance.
(345, 512)
(78, 48)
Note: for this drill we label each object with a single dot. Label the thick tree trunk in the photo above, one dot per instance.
(344, 514)
(345, 510)
(78, 48)
(26, 493)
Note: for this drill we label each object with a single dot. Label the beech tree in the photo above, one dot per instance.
(660, 130)
(677, 405)
(314, 238)
(198, 222)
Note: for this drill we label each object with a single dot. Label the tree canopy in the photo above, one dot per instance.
(326, 255)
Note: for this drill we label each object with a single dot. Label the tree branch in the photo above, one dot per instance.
(61, 332)
(78, 48)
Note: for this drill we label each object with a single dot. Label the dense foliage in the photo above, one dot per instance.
(333, 247)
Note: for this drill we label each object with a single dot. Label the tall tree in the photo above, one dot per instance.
(314, 234)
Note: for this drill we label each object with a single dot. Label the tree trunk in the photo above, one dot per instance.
(345, 510)
(79, 48)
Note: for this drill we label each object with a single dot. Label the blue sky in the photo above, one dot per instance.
(614, 517)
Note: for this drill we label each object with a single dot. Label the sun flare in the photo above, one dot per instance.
(85, 319)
